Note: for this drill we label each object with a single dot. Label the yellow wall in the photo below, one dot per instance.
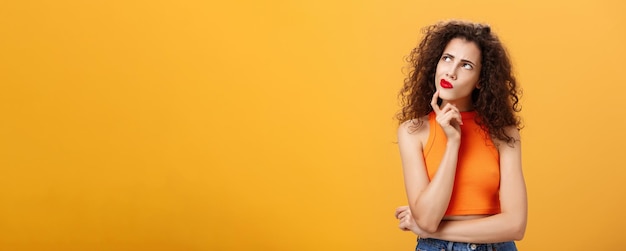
(267, 125)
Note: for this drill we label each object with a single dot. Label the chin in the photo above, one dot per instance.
(446, 96)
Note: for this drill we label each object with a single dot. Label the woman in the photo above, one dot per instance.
(460, 144)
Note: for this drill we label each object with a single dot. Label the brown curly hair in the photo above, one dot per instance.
(497, 100)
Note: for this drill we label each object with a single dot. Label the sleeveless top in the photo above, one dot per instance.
(477, 181)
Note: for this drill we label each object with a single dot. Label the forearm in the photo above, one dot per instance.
(511, 223)
(497, 228)
(430, 207)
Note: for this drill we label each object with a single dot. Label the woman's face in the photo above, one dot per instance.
(458, 72)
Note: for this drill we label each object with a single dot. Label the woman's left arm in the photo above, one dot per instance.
(508, 225)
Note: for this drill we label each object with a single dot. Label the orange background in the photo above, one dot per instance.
(268, 125)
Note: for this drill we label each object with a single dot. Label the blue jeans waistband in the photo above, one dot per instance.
(430, 244)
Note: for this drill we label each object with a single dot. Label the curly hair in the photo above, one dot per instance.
(496, 101)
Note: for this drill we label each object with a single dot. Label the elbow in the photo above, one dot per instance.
(518, 235)
(427, 226)
(425, 222)
(518, 231)
(429, 229)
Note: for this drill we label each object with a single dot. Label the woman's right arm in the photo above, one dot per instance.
(428, 200)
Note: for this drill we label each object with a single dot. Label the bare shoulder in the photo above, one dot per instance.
(414, 131)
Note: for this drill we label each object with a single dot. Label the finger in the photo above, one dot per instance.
(434, 104)
(406, 223)
(402, 225)
(457, 115)
(446, 117)
(446, 108)
(449, 107)
(451, 112)
(453, 118)
(400, 210)
(403, 214)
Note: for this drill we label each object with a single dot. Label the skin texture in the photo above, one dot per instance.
(496, 98)
(508, 225)
(459, 64)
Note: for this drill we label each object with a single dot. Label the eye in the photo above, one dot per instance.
(446, 58)
(468, 66)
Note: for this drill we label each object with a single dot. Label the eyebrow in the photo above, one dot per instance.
(462, 60)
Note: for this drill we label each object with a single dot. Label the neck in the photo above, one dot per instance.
(462, 105)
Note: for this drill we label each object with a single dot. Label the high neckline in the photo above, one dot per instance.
(468, 114)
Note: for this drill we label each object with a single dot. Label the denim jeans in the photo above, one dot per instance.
(430, 244)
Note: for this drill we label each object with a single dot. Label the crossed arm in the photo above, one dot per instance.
(428, 200)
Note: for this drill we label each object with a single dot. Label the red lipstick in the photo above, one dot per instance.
(445, 84)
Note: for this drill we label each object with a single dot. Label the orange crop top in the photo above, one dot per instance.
(477, 182)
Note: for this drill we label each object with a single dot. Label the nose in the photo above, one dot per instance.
(451, 73)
